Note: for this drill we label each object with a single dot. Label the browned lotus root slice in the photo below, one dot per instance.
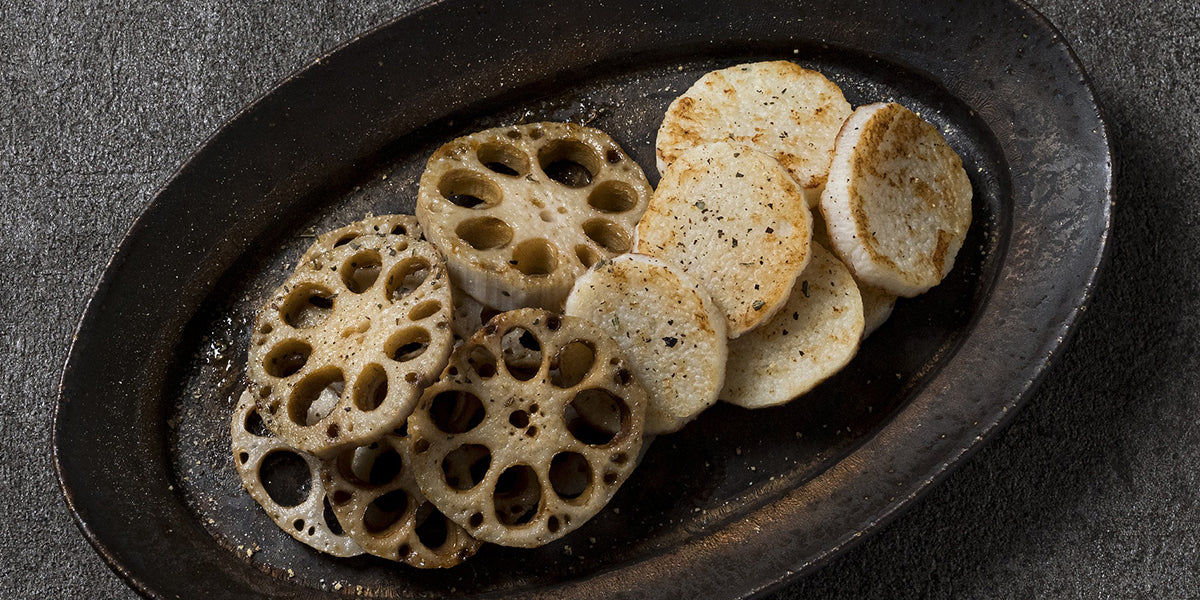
(505, 450)
(341, 352)
(521, 211)
(371, 225)
(377, 500)
(286, 483)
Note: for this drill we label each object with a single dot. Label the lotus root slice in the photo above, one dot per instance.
(340, 353)
(375, 496)
(521, 211)
(287, 483)
(520, 452)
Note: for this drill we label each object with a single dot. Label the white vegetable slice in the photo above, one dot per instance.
(377, 500)
(271, 471)
(779, 108)
(504, 450)
(667, 326)
(898, 202)
(341, 352)
(877, 307)
(521, 211)
(813, 337)
(735, 221)
(877, 303)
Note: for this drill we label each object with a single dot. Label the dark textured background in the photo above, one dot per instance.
(1091, 492)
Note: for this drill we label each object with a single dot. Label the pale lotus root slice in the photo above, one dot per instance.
(377, 500)
(813, 337)
(340, 353)
(777, 107)
(667, 326)
(521, 211)
(898, 202)
(505, 450)
(378, 225)
(734, 220)
(272, 471)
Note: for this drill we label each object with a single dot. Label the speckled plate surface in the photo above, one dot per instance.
(739, 501)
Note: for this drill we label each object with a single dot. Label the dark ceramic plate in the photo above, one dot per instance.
(736, 503)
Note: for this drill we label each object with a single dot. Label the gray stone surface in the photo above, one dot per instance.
(1092, 492)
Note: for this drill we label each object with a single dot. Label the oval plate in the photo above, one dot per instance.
(739, 501)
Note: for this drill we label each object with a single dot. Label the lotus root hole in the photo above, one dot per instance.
(610, 478)
(266, 329)
(298, 524)
(345, 239)
(468, 189)
(503, 158)
(517, 495)
(331, 520)
(360, 271)
(552, 524)
(607, 235)
(587, 255)
(572, 364)
(456, 411)
(316, 396)
(341, 497)
(406, 277)
(431, 527)
(475, 520)
(307, 306)
(547, 216)
(613, 156)
(596, 416)
(518, 419)
(255, 426)
(620, 458)
(486, 313)
(424, 310)
(522, 353)
(481, 360)
(569, 162)
(421, 446)
(535, 257)
(570, 475)
(371, 389)
(370, 465)
(407, 344)
(333, 430)
(532, 431)
(623, 376)
(613, 197)
(243, 457)
(465, 466)
(385, 511)
(484, 233)
(286, 477)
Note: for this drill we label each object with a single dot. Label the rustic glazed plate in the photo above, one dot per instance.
(739, 501)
